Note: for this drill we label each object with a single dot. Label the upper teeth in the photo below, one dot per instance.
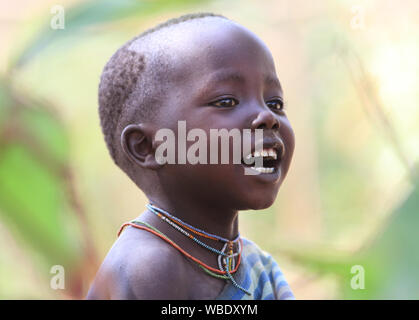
(264, 153)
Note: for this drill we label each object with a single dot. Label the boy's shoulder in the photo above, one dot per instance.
(267, 280)
(251, 248)
(258, 258)
(151, 270)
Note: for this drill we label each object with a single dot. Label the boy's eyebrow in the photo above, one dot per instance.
(272, 81)
(239, 78)
(228, 76)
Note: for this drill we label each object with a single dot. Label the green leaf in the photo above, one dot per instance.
(390, 263)
(48, 131)
(80, 17)
(34, 202)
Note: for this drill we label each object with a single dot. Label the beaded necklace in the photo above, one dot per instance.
(196, 230)
(226, 261)
(178, 226)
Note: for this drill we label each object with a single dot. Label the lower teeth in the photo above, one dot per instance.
(264, 170)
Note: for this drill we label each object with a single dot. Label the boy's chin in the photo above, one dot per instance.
(259, 202)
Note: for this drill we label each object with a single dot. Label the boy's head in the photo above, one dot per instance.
(212, 73)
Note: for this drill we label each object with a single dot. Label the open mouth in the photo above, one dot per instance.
(265, 161)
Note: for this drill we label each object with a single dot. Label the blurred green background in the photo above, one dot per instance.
(350, 74)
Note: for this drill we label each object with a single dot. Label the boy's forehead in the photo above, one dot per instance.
(211, 42)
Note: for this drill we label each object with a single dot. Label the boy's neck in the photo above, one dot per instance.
(221, 222)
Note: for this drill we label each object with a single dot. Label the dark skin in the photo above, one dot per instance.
(225, 78)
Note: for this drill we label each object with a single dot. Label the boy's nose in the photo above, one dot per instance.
(265, 120)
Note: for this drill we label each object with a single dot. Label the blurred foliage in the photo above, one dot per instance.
(36, 191)
(42, 205)
(93, 13)
(34, 149)
(390, 262)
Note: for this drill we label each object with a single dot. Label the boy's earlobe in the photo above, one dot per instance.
(137, 144)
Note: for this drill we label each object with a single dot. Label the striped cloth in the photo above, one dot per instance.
(260, 275)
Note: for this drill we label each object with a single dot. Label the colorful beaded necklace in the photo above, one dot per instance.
(226, 261)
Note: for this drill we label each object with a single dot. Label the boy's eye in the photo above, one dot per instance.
(276, 104)
(225, 103)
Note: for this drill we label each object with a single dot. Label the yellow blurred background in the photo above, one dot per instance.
(350, 75)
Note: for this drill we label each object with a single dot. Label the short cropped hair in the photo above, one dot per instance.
(128, 91)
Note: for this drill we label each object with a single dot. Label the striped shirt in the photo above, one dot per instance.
(260, 275)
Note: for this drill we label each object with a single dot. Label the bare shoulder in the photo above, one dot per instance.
(140, 266)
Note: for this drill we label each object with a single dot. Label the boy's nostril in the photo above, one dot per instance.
(264, 125)
(265, 119)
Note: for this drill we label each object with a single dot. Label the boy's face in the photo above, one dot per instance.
(225, 78)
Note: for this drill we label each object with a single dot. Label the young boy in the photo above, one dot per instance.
(211, 73)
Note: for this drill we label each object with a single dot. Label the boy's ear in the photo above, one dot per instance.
(137, 143)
